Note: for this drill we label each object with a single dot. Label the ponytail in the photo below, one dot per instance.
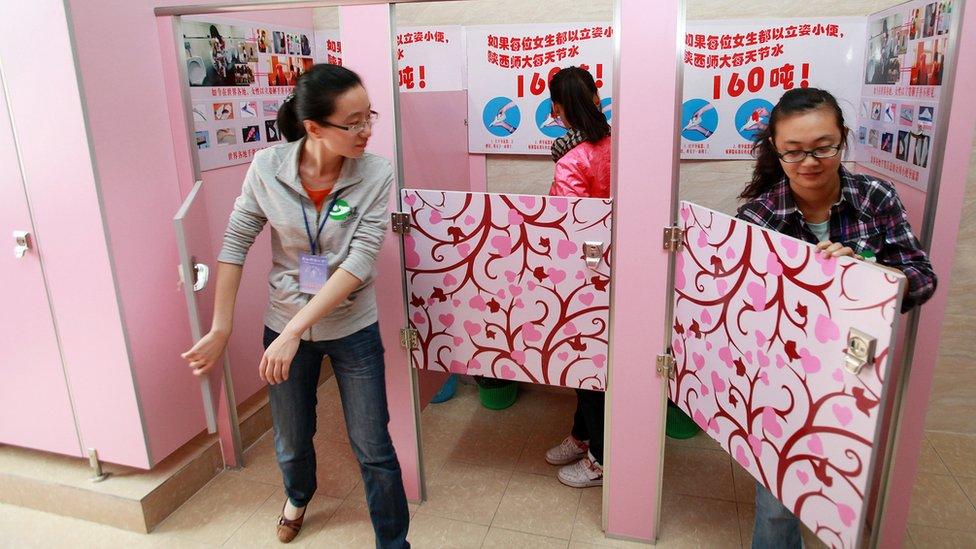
(574, 90)
(314, 98)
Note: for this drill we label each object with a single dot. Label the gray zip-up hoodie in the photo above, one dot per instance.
(351, 239)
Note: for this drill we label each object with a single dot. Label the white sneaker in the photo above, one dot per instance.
(582, 474)
(568, 451)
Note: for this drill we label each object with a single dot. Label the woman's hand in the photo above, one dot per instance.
(204, 355)
(277, 358)
(830, 249)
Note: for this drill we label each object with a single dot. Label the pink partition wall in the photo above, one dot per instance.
(63, 182)
(645, 164)
(368, 49)
(945, 232)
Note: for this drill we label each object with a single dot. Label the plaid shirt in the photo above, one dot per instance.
(869, 215)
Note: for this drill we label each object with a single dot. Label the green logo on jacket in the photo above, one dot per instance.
(340, 211)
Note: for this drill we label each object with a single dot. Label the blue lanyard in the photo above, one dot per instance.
(313, 242)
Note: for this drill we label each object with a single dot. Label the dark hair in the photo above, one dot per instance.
(314, 98)
(574, 90)
(768, 171)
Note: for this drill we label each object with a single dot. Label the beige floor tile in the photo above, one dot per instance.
(533, 457)
(466, 492)
(938, 501)
(698, 522)
(337, 471)
(701, 440)
(538, 505)
(349, 528)
(214, 513)
(952, 408)
(937, 538)
(968, 485)
(588, 527)
(432, 531)
(958, 452)
(27, 528)
(499, 538)
(490, 443)
(747, 518)
(697, 472)
(260, 464)
(260, 529)
(745, 484)
(929, 460)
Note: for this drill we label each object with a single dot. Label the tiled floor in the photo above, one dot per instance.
(488, 486)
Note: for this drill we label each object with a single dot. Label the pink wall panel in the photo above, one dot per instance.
(435, 140)
(368, 50)
(141, 190)
(945, 233)
(33, 383)
(50, 118)
(759, 337)
(499, 287)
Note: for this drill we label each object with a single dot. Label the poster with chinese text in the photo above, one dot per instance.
(902, 87)
(736, 70)
(238, 74)
(328, 47)
(509, 67)
(430, 58)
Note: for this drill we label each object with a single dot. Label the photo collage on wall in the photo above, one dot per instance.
(238, 75)
(907, 49)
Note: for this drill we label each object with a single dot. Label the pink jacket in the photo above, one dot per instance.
(584, 171)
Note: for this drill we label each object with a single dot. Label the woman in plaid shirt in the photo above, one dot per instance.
(799, 188)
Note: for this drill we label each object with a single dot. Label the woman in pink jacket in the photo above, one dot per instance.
(582, 169)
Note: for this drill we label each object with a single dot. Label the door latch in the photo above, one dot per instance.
(593, 252)
(860, 351)
(22, 243)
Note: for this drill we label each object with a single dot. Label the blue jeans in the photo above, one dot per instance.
(776, 527)
(357, 361)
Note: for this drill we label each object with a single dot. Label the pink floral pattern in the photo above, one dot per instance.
(759, 338)
(498, 286)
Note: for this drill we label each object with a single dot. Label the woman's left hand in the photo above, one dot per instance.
(277, 358)
(834, 249)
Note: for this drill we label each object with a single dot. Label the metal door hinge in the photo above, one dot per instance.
(672, 238)
(409, 338)
(665, 366)
(400, 222)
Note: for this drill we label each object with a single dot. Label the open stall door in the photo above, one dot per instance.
(197, 266)
(782, 357)
(509, 286)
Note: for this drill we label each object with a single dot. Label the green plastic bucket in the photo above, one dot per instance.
(498, 398)
(679, 425)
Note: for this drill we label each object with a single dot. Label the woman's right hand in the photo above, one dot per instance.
(204, 355)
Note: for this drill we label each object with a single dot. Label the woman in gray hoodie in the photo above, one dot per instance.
(325, 199)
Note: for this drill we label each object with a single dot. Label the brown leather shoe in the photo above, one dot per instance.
(289, 529)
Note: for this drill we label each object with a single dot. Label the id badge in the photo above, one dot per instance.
(313, 271)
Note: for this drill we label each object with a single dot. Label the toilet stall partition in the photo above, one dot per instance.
(499, 286)
(763, 364)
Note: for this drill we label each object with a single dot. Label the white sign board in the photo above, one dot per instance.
(509, 68)
(736, 70)
(430, 58)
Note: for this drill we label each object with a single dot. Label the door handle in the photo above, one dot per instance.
(593, 252)
(201, 275)
(22, 243)
(860, 351)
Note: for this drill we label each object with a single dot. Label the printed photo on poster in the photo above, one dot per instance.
(887, 141)
(270, 108)
(862, 135)
(264, 41)
(271, 131)
(279, 43)
(874, 138)
(250, 134)
(223, 111)
(888, 115)
(907, 117)
(203, 139)
(927, 62)
(218, 55)
(202, 112)
(249, 109)
(926, 117)
(920, 144)
(901, 150)
(883, 65)
(226, 136)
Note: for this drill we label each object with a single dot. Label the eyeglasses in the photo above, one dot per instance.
(793, 157)
(358, 127)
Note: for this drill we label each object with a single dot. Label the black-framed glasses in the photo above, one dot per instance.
(358, 127)
(795, 156)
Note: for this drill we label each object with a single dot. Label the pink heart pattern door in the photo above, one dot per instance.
(498, 286)
(759, 338)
